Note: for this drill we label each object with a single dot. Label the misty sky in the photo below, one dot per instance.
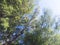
(53, 5)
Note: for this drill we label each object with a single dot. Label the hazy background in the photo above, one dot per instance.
(53, 5)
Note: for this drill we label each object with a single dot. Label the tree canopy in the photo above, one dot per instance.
(20, 25)
(11, 15)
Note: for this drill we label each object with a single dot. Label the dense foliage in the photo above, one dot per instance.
(11, 15)
(20, 24)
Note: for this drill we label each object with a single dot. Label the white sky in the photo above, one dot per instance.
(54, 5)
